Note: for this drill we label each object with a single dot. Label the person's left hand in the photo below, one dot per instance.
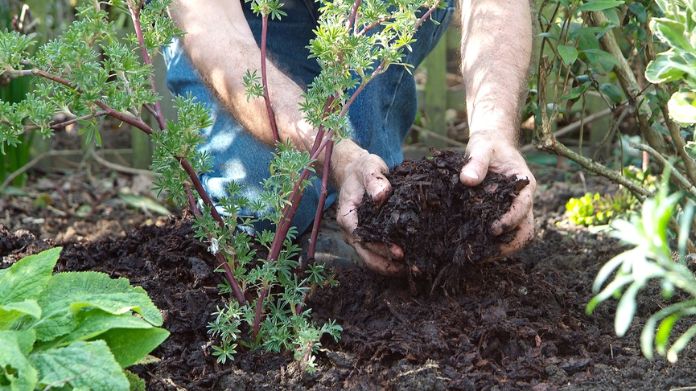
(489, 152)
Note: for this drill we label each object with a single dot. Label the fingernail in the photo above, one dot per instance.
(470, 175)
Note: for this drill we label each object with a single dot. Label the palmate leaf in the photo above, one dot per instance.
(86, 365)
(68, 293)
(16, 372)
(28, 277)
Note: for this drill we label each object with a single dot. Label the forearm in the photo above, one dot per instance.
(496, 51)
(223, 53)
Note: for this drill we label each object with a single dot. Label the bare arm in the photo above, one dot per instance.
(496, 51)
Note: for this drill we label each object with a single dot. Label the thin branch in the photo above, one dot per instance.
(322, 200)
(438, 136)
(200, 190)
(264, 79)
(679, 145)
(353, 18)
(117, 167)
(676, 175)
(137, 26)
(629, 83)
(573, 127)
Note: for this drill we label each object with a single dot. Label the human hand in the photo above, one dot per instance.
(364, 173)
(489, 152)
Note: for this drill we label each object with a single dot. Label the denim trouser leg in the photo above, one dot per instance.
(380, 116)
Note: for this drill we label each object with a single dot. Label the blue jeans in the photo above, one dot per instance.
(381, 115)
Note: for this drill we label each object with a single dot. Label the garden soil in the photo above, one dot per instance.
(514, 324)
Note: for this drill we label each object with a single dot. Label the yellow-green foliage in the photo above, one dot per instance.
(599, 209)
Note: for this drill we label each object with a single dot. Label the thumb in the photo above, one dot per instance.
(475, 170)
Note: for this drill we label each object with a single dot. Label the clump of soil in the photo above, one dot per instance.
(441, 224)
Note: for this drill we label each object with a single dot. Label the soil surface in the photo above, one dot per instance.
(442, 225)
(515, 324)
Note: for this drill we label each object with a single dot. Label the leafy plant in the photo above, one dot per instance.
(76, 330)
(677, 65)
(92, 72)
(651, 259)
(598, 209)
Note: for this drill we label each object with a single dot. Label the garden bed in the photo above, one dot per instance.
(514, 324)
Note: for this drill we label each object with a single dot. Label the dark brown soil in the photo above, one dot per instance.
(515, 324)
(442, 225)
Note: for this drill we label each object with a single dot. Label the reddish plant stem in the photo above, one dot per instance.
(229, 275)
(200, 190)
(322, 200)
(353, 18)
(264, 79)
(137, 26)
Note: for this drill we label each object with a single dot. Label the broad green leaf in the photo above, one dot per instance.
(575, 92)
(614, 93)
(599, 5)
(10, 312)
(682, 107)
(670, 32)
(68, 293)
(92, 323)
(667, 66)
(568, 53)
(119, 332)
(626, 309)
(28, 277)
(600, 58)
(127, 353)
(639, 11)
(88, 365)
(16, 372)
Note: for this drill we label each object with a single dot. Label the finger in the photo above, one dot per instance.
(519, 209)
(475, 170)
(374, 181)
(347, 212)
(391, 251)
(379, 264)
(524, 235)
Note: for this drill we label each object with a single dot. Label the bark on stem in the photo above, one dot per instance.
(322, 200)
(137, 26)
(264, 78)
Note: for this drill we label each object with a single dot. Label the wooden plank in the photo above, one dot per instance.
(435, 93)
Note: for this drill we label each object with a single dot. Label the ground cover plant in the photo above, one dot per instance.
(74, 330)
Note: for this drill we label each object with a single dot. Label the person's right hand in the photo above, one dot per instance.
(358, 171)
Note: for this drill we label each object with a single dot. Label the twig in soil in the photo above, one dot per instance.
(32, 163)
(117, 167)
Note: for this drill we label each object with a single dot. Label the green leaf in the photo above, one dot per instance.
(614, 93)
(68, 293)
(15, 368)
(28, 277)
(682, 107)
(599, 5)
(680, 344)
(626, 309)
(127, 353)
(144, 203)
(10, 312)
(95, 322)
(664, 330)
(639, 11)
(671, 33)
(666, 67)
(568, 54)
(600, 58)
(88, 365)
